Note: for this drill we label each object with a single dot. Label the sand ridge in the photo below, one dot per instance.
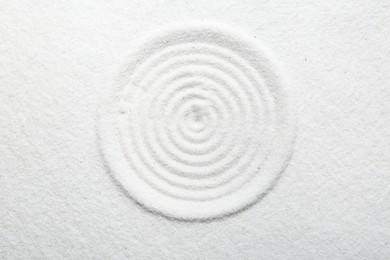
(200, 125)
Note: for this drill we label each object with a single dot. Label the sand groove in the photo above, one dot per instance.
(200, 126)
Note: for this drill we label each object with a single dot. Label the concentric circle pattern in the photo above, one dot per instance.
(200, 125)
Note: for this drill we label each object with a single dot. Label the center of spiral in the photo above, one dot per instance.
(197, 117)
(197, 113)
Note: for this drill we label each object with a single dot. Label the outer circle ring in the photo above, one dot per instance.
(259, 185)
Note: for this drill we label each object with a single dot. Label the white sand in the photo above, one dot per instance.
(200, 125)
(59, 61)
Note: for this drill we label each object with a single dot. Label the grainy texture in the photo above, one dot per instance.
(58, 58)
(199, 125)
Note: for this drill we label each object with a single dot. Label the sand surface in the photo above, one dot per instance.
(62, 197)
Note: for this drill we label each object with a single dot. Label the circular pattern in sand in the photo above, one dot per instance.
(199, 125)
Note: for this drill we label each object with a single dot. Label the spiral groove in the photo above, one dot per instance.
(196, 121)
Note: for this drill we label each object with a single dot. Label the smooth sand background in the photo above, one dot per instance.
(58, 59)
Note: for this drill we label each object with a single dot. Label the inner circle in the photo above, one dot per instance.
(197, 118)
